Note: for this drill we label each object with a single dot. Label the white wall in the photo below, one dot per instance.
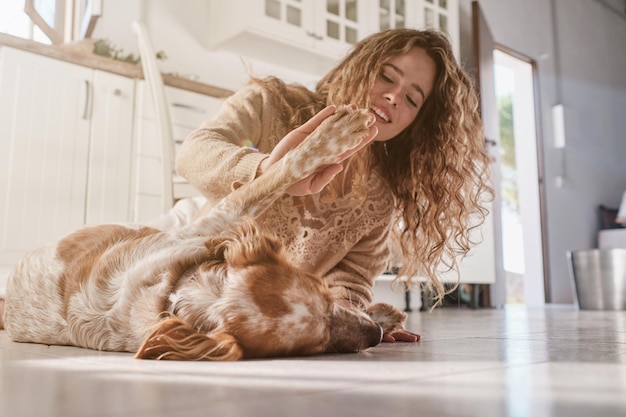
(593, 77)
(581, 64)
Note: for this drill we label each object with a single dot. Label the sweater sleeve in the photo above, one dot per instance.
(225, 152)
(352, 279)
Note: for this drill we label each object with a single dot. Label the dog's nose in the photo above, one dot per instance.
(376, 336)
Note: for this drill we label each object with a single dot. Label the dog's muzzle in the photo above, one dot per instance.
(376, 337)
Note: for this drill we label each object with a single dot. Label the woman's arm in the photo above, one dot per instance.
(352, 280)
(243, 140)
(226, 151)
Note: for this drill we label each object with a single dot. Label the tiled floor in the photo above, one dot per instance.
(511, 362)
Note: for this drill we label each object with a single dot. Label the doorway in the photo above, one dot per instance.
(521, 228)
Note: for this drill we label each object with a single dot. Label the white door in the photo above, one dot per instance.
(522, 223)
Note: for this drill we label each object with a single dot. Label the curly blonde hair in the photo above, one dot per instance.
(437, 168)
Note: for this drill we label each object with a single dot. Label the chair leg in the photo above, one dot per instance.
(407, 299)
(426, 298)
(475, 302)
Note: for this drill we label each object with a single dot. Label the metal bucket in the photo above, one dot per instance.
(599, 277)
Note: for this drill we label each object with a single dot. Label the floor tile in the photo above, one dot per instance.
(538, 390)
(510, 362)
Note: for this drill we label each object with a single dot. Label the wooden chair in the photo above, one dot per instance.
(174, 187)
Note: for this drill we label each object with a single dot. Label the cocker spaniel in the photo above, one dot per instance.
(217, 289)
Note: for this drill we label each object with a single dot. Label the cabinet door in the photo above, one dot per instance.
(339, 24)
(44, 144)
(332, 25)
(305, 35)
(111, 147)
(391, 14)
(289, 19)
(442, 15)
(286, 22)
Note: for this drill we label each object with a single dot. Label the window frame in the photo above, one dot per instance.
(73, 20)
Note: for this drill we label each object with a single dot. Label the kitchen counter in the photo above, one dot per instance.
(80, 55)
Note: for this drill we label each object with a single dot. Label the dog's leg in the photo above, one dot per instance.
(339, 133)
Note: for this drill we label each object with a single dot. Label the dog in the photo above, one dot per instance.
(217, 289)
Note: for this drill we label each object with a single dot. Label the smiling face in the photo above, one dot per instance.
(401, 88)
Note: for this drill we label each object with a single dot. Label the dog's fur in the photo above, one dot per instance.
(218, 289)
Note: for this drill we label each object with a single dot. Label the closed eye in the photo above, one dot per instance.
(409, 99)
(418, 90)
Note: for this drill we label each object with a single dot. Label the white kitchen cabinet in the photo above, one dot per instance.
(312, 35)
(187, 111)
(309, 35)
(65, 150)
(442, 15)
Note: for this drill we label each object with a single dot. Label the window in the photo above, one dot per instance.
(49, 21)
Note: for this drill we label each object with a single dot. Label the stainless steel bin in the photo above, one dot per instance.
(599, 277)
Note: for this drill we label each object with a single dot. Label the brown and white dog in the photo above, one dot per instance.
(218, 289)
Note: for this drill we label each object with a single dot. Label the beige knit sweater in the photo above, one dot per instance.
(340, 238)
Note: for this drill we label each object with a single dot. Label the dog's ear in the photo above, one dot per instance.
(173, 339)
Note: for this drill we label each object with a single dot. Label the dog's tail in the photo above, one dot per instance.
(173, 339)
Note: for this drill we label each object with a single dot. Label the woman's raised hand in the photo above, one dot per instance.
(315, 182)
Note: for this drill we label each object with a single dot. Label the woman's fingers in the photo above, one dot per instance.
(404, 336)
(295, 137)
(401, 336)
(387, 338)
(319, 180)
(310, 125)
(373, 131)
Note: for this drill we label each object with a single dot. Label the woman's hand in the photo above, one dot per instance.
(401, 336)
(315, 182)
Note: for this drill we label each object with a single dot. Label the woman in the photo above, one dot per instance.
(419, 182)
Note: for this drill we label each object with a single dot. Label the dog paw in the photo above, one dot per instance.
(387, 316)
(342, 131)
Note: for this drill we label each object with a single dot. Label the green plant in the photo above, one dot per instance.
(104, 47)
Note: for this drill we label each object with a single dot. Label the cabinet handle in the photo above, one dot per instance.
(87, 105)
(314, 36)
(189, 107)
